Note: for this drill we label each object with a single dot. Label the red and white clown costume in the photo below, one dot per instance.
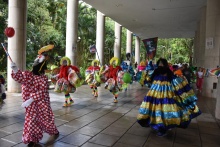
(39, 117)
(68, 80)
(112, 73)
(93, 77)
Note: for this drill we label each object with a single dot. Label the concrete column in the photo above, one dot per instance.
(202, 34)
(71, 30)
(17, 18)
(137, 50)
(196, 48)
(117, 44)
(211, 58)
(100, 31)
(212, 55)
(129, 42)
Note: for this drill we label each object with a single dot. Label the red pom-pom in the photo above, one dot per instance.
(9, 32)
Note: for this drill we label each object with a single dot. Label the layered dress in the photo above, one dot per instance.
(169, 103)
(39, 117)
(93, 78)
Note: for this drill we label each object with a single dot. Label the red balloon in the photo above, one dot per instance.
(9, 32)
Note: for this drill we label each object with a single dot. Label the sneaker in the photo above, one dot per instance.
(96, 94)
(71, 102)
(65, 105)
(115, 100)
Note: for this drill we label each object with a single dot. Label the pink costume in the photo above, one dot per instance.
(199, 81)
(39, 117)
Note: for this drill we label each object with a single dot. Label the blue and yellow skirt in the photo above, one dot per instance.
(168, 104)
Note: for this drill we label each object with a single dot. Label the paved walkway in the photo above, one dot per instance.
(98, 122)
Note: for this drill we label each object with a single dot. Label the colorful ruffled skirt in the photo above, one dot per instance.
(168, 104)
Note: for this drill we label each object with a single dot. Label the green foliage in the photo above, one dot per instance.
(175, 50)
(3, 38)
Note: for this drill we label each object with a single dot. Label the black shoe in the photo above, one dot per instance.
(57, 134)
(31, 144)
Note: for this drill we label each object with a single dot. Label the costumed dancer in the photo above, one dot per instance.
(148, 72)
(68, 80)
(2, 89)
(39, 117)
(141, 72)
(169, 103)
(111, 73)
(93, 77)
(126, 69)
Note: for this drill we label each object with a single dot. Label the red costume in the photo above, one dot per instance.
(93, 77)
(39, 117)
(111, 74)
(68, 80)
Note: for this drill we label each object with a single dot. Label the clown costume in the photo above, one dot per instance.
(39, 117)
(68, 80)
(111, 74)
(93, 77)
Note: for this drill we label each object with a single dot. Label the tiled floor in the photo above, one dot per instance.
(98, 122)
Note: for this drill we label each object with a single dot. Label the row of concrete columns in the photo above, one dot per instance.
(206, 55)
(100, 37)
(17, 44)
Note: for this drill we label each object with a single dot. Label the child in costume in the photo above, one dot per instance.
(169, 103)
(39, 117)
(68, 80)
(111, 73)
(93, 77)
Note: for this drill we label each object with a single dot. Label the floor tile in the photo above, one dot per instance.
(90, 131)
(133, 140)
(104, 139)
(75, 139)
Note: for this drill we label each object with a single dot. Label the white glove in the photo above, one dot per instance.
(54, 77)
(14, 67)
(27, 103)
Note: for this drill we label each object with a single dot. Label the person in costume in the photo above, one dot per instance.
(111, 74)
(39, 117)
(169, 103)
(68, 80)
(126, 69)
(93, 77)
(199, 79)
(2, 89)
(140, 72)
(148, 72)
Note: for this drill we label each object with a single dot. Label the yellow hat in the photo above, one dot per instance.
(114, 59)
(46, 48)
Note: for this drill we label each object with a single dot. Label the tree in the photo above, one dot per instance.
(3, 38)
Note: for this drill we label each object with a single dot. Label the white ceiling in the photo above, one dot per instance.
(153, 18)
